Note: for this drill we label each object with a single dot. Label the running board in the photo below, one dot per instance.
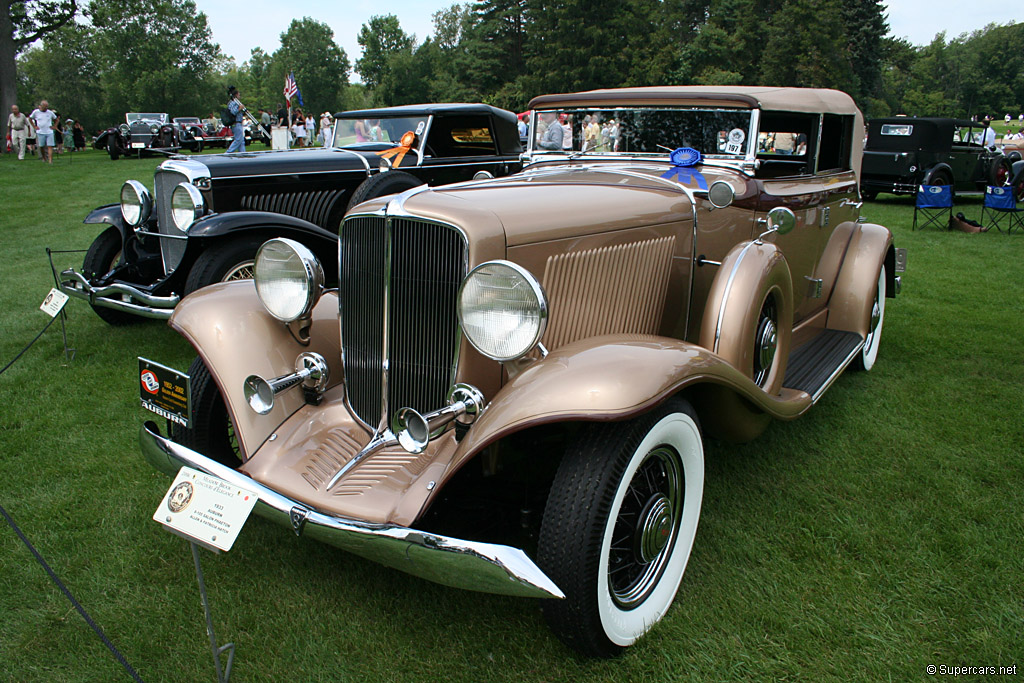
(815, 365)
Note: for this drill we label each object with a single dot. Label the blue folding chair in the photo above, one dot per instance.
(1001, 206)
(934, 202)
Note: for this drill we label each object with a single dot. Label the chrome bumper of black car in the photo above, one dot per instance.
(119, 296)
(472, 565)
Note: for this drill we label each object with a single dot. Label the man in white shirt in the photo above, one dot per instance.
(44, 119)
(987, 136)
(18, 127)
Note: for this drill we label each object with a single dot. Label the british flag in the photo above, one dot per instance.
(291, 89)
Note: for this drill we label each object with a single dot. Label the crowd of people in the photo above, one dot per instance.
(41, 132)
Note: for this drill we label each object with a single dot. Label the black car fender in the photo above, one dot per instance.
(266, 225)
(101, 140)
(110, 214)
(931, 172)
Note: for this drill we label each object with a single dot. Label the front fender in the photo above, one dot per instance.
(111, 215)
(236, 337)
(615, 377)
(234, 224)
(849, 308)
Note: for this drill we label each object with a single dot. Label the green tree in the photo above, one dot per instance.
(865, 27)
(805, 47)
(64, 71)
(380, 38)
(320, 66)
(159, 56)
(22, 22)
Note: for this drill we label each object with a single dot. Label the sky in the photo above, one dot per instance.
(259, 23)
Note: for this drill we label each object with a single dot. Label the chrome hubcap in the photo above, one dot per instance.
(646, 528)
(766, 342)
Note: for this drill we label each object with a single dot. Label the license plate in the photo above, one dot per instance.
(138, 145)
(165, 391)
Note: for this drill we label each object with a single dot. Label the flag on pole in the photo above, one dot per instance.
(291, 89)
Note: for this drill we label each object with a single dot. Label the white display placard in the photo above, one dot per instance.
(53, 302)
(205, 509)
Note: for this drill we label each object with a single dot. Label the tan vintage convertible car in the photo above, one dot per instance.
(510, 389)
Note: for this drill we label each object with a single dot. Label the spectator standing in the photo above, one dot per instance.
(78, 135)
(523, 128)
(235, 109)
(552, 137)
(282, 116)
(18, 128)
(69, 138)
(43, 118)
(310, 129)
(326, 137)
(58, 133)
(299, 128)
(987, 137)
(265, 118)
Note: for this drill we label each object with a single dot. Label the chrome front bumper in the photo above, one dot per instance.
(75, 285)
(472, 565)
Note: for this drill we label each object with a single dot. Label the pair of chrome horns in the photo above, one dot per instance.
(310, 370)
(465, 403)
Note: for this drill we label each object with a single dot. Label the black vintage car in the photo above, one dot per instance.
(147, 133)
(208, 215)
(904, 152)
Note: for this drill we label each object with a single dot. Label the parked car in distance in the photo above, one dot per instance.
(208, 215)
(903, 152)
(146, 133)
(510, 387)
(191, 127)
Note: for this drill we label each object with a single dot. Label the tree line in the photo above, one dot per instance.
(159, 55)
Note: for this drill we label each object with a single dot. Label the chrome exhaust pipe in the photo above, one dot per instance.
(310, 369)
(413, 430)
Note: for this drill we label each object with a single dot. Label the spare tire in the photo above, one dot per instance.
(389, 182)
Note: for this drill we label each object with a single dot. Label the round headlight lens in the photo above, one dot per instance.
(124, 129)
(154, 129)
(186, 206)
(136, 204)
(502, 309)
(289, 279)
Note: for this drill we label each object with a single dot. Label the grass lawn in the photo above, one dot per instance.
(876, 535)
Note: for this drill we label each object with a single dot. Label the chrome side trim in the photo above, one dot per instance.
(159, 307)
(838, 371)
(472, 565)
(361, 158)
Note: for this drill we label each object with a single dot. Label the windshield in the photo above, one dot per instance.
(713, 132)
(348, 132)
(162, 118)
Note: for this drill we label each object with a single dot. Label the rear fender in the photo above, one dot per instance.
(615, 377)
(236, 337)
(936, 169)
(849, 308)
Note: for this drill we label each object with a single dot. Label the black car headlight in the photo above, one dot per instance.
(502, 309)
(124, 129)
(289, 279)
(136, 203)
(186, 206)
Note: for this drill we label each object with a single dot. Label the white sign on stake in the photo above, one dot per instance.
(54, 302)
(205, 509)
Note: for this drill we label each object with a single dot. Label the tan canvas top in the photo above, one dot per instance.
(765, 97)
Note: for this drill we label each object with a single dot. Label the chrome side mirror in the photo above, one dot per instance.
(781, 220)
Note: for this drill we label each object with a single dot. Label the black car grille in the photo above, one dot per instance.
(399, 283)
(171, 251)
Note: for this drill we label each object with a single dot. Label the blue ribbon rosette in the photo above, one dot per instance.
(683, 159)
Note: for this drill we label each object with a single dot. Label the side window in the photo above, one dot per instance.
(461, 136)
(836, 136)
(786, 144)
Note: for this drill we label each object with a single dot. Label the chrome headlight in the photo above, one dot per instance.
(154, 129)
(502, 309)
(186, 206)
(289, 279)
(136, 204)
(124, 129)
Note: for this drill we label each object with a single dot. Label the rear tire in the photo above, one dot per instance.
(999, 172)
(212, 433)
(113, 149)
(223, 263)
(619, 525)
(391, 182)
(103, 255)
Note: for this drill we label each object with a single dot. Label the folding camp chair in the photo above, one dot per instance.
(1001, 206)
(934, 202)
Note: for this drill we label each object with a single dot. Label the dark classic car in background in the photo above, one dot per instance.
(509, 389)
(904, 152)
(210, 214)
(146, 134)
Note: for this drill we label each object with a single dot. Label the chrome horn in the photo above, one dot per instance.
(310, 369)
(465, 403)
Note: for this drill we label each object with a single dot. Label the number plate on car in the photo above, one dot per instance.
(165, 391)
(138, 145)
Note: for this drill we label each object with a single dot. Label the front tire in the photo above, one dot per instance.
(113, 149)
(865, 360)
(103, 255)
(619, 525)
(223, 263)
(212, 432)
(390, 182)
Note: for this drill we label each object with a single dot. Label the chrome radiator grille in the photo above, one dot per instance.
(171, 251)
(399, 283)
